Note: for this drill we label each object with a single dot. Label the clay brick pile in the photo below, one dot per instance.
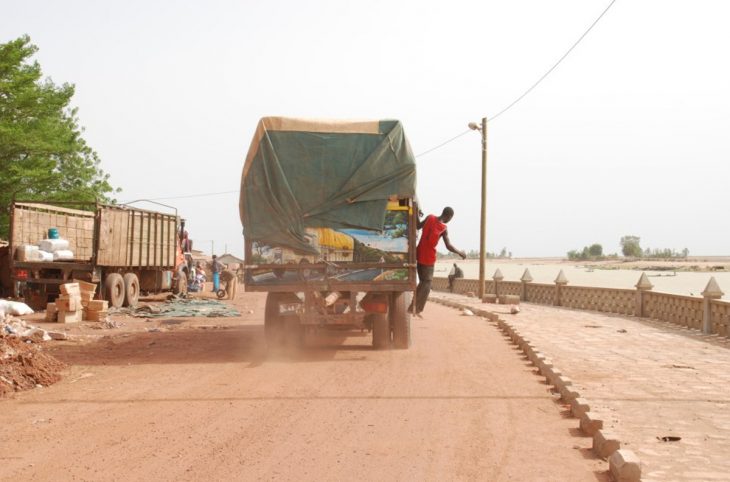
(76, 303)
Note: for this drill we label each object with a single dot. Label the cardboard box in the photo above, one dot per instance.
(68, 303)
(86, 286)
(87, 296)
(69, 316)
(98, 305)
(51, 312)
(71, 289)
(96, 315)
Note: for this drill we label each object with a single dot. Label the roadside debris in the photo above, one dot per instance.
(669, 438)
(107, 324)
(15, 327)
(466, 312)
(514, 310)
(24, 366)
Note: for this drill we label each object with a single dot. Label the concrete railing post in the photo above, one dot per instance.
(712, 292)
(526, 278)
(641, 286)
(560, 281)
(497, 277)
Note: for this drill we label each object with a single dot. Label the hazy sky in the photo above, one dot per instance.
(628, 136)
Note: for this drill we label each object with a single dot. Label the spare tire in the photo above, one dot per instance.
(114, 289)
(131, 289)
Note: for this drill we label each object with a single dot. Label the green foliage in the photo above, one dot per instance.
(665, 253)
(592, 252)
(42, 153)
(474, 254)
(631, 247)
(595, 250)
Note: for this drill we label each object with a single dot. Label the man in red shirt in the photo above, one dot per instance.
(434, 228)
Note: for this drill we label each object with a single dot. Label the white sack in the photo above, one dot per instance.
(63, 254)
(53, 245)
(26, 252)
(43, 256)
(15, 308)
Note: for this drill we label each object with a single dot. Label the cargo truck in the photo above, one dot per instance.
(124, 249)
(329, 219)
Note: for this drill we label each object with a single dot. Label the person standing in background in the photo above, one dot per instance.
(216, 268)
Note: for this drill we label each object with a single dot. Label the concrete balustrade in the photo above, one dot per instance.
(708, 313)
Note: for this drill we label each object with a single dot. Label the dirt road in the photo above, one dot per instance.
(203, 401)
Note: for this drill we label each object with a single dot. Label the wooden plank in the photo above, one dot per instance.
(154, 239)
(147, 242)
(130, 244)
(102, 241)
(172, 259)
(139, 241)
(118, 237)
(54, 208)
(124, 238)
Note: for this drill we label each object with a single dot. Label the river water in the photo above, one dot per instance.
(683, 283)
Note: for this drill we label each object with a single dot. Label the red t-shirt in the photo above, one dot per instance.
(431, 232)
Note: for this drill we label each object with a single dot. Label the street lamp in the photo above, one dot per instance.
(483, 225)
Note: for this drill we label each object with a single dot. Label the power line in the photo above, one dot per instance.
(524, 94)
(448, 141)
(443, 143)
(554, 65)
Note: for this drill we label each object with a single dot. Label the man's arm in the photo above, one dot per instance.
(450, 247)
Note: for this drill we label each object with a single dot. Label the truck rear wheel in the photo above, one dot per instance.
(114, 289)
(281, 330)
(381, 330)
(400, 319)
(131, 289)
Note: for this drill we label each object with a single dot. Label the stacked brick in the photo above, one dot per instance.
(76, 303)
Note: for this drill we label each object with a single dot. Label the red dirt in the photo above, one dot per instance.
(202, 399)
(25, 365)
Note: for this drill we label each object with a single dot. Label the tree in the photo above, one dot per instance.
(42, 153)
(595, 250)
(631, 247)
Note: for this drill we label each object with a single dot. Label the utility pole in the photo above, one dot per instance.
(212, 247)
(483, 224)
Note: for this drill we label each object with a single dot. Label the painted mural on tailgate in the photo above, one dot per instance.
(336, 249)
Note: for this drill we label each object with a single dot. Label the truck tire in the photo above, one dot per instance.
(131, 289)
(282, 331)
(294, 337)
(381, 331)
(400, 320)
(274, 329)
(114, 289)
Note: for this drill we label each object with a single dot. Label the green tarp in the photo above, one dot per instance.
(336, 174)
